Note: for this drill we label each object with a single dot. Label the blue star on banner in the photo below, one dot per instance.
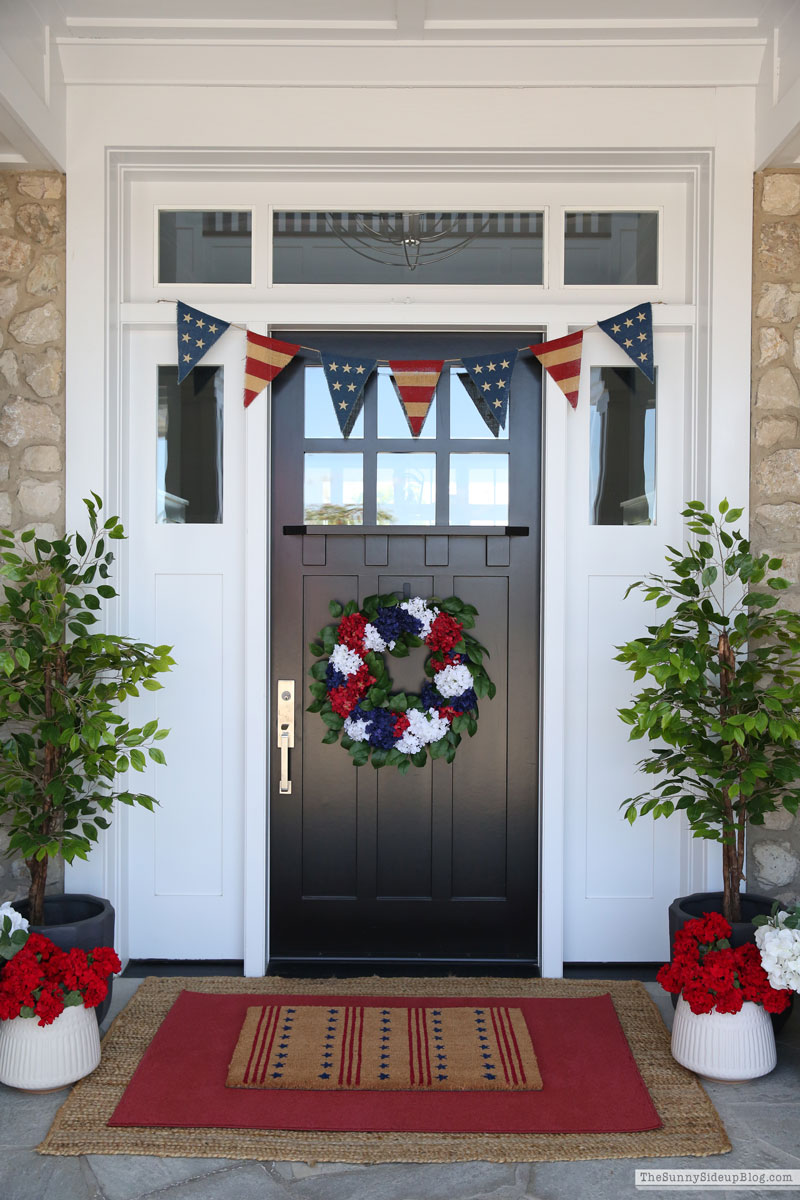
(633, 332)
(346, 377)
(197, 333)
(488, 383)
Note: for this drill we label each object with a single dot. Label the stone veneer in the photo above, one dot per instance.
(773, 859)
(32, 310)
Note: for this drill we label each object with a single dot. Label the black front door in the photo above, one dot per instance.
(439, 865)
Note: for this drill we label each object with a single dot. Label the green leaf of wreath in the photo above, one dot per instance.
(474, 655)
(439, 749)
(419, 759)
(361, 754)
(350, 608)
(394, 758)
(366, 704)
(328, 635)
(335, 608)
(377, 695)
(388, 601)
(398, 703)
(318, 690)
(317, 649)
(460, 723)
(404, 767)
(400, 650)
(347, 742)
(330, 737)
(333, 720)
(319, 670)
(315, 706)
(379, 757)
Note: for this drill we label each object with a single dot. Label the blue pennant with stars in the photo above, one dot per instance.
(346, 378)
(197, 333)
(488, 383)
(633, 332)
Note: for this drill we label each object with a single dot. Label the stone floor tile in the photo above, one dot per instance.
(27, 1176)
(126, 1176)
(409, 1181)
(248, 1182)
(25, 1117)
(293, 1171)
(763, 1135)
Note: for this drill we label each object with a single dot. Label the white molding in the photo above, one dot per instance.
(94, 391)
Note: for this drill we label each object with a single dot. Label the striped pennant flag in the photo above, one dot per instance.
(197, 333)
(415, 383)
(633, 332)
(561, 358)
(266, 358)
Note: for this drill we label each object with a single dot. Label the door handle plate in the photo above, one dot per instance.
(285, 731)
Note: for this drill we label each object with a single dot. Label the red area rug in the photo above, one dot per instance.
(590, 1080)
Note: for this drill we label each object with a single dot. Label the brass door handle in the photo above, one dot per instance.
(285, 731)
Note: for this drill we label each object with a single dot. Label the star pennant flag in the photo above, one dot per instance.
(266, 358)
(561, 358)
(197, 333)
(488, 382)
(415, 383)
(633, 332)
(346, 378)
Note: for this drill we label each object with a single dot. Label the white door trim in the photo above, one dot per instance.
(106, 871)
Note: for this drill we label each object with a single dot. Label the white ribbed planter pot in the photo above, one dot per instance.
(40, 1058)
(726, 1046)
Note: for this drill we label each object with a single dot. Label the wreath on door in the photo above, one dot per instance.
(352, 690)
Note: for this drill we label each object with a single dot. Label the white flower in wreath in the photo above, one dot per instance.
(418, 608)
(374, 641)
(427, 726)
(345, 660)
(453, 681)
(357, 730)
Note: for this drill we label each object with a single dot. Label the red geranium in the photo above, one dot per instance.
(41, 980)
(446, 632)
(711, 974)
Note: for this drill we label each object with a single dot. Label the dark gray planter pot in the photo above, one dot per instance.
(76, 920)
(685, 908)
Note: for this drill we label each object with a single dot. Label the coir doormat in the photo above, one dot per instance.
(385, 1048)
(161, 1086)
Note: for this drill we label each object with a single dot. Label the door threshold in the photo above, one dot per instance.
(314, 968)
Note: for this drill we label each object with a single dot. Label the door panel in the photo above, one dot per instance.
(441, 864)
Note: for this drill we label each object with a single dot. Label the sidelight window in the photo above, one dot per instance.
(622, 433)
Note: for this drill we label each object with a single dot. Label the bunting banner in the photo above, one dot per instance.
(197, 333)
(488, 384)
(346, 377)
(561, 358)
(415, 383)
(633, 332)
(266, 358)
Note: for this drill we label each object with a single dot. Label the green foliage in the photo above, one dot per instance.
(721, 705)
(63, 682)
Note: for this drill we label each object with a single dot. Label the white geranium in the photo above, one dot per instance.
(453, 681)
(427, 726)
(357, 730)
(345, 660)
(374, 641)
(409, 743)
(418, 608)
(16, 919)
(780, 953)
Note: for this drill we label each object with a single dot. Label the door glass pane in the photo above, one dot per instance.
(204, 247)
(189, 447)
(406, 489)
(320, 418)
(392, 421)
(608, 248)
(478, 489)
(622, 434)
(398, 247)
(333, 489)
(465, 420)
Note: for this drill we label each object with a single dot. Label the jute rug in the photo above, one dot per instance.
(690, 1125)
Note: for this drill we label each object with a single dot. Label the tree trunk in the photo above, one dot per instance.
(38, 870)
(732, 830)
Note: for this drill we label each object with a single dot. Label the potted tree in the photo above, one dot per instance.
(721, 707)
(64, 744)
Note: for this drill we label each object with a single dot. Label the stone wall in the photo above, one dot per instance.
(32, 300)
(773, 861)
